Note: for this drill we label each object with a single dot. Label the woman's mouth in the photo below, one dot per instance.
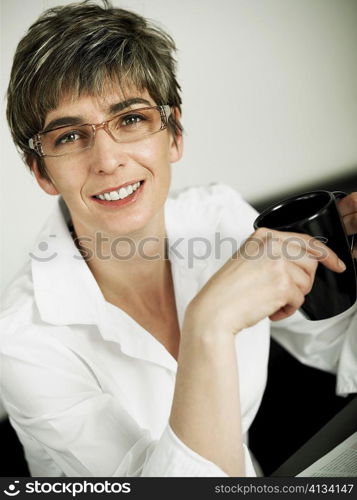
(119, 197)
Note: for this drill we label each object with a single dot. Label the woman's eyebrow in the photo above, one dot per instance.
(120, 106)
(64, 120)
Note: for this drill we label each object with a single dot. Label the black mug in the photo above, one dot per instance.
(316, 213)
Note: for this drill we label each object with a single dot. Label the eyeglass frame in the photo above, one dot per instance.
(36, 145)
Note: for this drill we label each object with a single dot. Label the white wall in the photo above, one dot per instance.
(270, 99)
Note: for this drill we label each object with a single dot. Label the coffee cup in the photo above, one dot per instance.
(315, 213)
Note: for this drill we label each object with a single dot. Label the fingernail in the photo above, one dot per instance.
(341, 264)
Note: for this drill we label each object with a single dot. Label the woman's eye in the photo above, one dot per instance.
(131, 120)
(68, 138)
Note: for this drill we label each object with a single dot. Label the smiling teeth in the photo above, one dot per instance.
(119, 194)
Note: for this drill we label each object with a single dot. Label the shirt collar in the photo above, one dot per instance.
(65, 289)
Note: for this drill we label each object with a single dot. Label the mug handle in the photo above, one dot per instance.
(340, 195)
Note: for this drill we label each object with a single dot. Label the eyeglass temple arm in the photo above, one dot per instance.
(35, 145)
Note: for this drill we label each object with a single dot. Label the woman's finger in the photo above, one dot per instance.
(294, 302)
(302, 277)
(350, 222)
(315, 248)
(298, 254)
(348, 204)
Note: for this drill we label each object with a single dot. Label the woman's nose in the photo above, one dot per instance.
(106, 154)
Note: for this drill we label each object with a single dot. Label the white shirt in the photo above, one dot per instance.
(89, 390)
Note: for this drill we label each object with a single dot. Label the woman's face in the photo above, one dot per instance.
(107, 166)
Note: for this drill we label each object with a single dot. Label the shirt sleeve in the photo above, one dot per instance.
(55, 400)
(329, 344)
(172, 451)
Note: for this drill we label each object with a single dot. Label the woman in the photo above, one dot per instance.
(128, 351)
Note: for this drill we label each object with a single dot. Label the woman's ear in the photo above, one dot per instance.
(46, 184)
(176, 142)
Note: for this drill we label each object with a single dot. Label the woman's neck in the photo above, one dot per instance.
(128, 268)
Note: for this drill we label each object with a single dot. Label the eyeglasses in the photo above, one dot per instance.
(130, 126)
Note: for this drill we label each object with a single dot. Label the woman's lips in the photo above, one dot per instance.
(130, 183)
(125, 201)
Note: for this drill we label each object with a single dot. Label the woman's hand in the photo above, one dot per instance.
(348, 211)
(269, 276)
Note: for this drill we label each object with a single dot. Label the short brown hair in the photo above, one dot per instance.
(75, 49)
